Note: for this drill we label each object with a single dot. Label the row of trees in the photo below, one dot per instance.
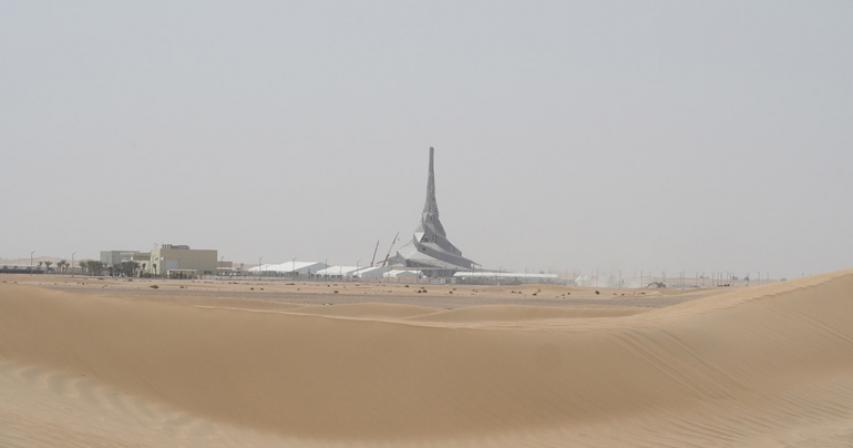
(125, 268)
(61, 265)
(93, 267)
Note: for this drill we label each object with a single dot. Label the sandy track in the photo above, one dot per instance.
(758, 366)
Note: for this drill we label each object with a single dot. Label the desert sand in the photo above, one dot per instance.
(88, 362)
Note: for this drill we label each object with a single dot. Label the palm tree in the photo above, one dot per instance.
(47, 265)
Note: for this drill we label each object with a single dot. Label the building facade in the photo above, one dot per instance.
(172, 260)
(112, 258)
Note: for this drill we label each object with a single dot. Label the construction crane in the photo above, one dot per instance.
(390, 248)
(373, 259)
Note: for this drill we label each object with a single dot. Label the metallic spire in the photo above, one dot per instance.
(429, 247)
(429, 218)
(431, 205)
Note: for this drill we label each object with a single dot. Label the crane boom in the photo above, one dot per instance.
(373, 260)
(390, 248)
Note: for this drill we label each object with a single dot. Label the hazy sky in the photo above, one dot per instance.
(664, 135)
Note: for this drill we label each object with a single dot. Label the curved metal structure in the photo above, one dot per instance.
(429, 249)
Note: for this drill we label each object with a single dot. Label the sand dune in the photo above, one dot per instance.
(378, 310)
(513, 313)
(761, 366)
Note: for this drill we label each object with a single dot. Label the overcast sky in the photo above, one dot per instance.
(661, 135)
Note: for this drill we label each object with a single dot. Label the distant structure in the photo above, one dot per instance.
(338, 272)
(293, 268)
(179, 261)
(506, 278)
(429, 250)
(113, 258)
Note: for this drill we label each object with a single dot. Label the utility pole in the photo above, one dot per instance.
(260, 259)
(31, 259)
(72, 263)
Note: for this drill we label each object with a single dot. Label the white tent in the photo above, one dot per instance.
(337, 271)
(408, 275)
(290, 267)
(371, 272)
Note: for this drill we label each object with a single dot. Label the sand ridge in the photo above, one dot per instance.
(729, 369)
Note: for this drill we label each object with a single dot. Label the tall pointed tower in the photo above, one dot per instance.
(429, 249)
(430, 213)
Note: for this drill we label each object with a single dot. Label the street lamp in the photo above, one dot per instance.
(72, 263)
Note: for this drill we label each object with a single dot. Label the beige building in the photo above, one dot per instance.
(142, 260)
(112, 258)
(171, 260)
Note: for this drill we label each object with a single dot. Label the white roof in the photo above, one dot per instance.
(371, 271)
(484, 274)
(398, 272)
(288, 266)
(337, 270)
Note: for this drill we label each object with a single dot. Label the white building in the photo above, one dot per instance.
(290, 268)
(504, 277)
(178, 260)
(338, 271)
(403, 275)
(371, 272)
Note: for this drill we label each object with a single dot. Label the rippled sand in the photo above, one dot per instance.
(757, 366)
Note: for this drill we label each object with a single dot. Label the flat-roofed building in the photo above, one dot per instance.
(112, 258)
(173, 260)
(227, 268)
(494, 278)
(142, 260)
